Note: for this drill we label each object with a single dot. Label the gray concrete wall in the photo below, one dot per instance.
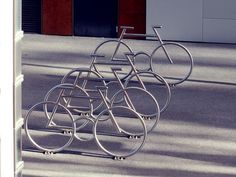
(194, 20)
(219, 21)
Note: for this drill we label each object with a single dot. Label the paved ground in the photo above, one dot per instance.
(196, 136)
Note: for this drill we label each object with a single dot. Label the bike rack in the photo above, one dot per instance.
(67, 93)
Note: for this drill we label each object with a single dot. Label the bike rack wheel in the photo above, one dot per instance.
(128, 141)
(155, 84)
(54, 137)
(103, 65)
(72, 97)
(87, 80)
(142, 61)
(142, 102)
(176, 72)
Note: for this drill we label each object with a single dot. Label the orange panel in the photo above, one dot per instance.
(57, 17)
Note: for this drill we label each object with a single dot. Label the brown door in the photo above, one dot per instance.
(57, 17)
(132, 13)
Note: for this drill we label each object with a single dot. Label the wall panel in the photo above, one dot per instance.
(132, 13)
(181, 19)
(57, 17)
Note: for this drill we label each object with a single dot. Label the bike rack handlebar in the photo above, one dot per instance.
(157, 26)
(127, 27)
(143, 35)
(116, 68)
(129, 54)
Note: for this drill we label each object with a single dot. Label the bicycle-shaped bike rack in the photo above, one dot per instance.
(69, 107)
(171, 60)
(86, 105)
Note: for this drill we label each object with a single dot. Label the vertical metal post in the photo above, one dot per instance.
(17, 86)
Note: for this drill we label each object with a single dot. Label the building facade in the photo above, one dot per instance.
(182, 20)
(194, 20)
(83, 17)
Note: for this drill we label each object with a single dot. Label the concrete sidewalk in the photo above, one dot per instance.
(194, 138)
